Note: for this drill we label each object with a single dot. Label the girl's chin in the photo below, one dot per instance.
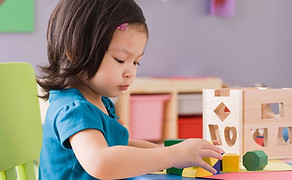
(115, 95)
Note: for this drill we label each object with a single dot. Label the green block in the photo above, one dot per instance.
(170, 142)
(174, 171)
(255, 160)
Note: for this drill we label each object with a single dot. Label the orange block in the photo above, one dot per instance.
(203, 173)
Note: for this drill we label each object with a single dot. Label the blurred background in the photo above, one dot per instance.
(252, 46)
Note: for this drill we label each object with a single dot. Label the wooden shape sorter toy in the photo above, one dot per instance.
(249, 119)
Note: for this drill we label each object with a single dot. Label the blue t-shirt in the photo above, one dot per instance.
(69, 112)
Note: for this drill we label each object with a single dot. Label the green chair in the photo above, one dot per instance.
(20, 122)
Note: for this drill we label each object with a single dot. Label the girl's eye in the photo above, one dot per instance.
(119, 61)
(136, 63)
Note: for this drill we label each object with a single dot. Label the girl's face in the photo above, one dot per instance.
(119, 65)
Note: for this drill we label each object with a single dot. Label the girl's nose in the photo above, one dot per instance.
(130, 72)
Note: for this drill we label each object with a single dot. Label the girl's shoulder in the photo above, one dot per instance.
(73, 100)
(70, 93)
(66, 99)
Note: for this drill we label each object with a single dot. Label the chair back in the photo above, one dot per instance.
(20, 122)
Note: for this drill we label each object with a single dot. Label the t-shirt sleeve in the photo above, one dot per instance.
(76, 117)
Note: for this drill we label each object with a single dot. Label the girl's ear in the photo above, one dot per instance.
(68, 56)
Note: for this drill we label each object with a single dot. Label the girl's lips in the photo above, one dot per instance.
(124, 88)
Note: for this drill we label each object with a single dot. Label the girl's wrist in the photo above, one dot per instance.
(173, 155)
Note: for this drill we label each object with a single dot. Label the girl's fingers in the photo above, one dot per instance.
(216, 142)
(210, 153)
(213, 148)
(206, 166)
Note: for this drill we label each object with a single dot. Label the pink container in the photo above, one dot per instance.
(146, 116)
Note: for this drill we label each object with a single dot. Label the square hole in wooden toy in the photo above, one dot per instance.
(222, 111)
(272, 110)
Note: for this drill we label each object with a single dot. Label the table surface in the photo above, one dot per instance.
(161, 177)
(269, 175)
(236, 175)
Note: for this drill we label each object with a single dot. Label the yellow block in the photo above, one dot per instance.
(203, 173)
(190, 172)
(231, 162)
(210, 161)
(193, 172)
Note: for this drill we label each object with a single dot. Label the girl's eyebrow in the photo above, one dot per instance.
(126, 51)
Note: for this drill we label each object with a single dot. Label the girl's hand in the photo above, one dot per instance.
(191, 151)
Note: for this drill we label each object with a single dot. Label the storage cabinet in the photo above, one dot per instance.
(190, 104)
(174, 87)
(147, 112)
(190, 126)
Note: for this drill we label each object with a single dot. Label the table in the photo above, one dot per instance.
(234, 175)
(270, 175)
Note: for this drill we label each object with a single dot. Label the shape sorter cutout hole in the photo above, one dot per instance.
(260, 136)
(222, 111)
(284, 135)
(272, 110)
(230, 134)
(222, 92)
(214, 133)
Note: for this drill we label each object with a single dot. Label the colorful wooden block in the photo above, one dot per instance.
(201, 172)
(230, 162)
(218, 166)
(260, 140)
(190, 172)
(174, 171)
(198, 171)
(221, 168)
(210, 161)
(170, 142)
(255, 160)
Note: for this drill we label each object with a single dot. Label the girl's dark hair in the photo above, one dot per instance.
(81, 30)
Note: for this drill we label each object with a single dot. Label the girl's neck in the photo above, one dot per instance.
(91, 96)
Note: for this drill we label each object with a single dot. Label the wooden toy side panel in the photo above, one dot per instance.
(259, 116)
(228, 130)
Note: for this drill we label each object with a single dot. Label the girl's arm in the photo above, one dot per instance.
(142, 144)
(117, 162)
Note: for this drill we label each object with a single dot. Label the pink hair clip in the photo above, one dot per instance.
(123, 26)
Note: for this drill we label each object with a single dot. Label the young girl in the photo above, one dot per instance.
(94, 48)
